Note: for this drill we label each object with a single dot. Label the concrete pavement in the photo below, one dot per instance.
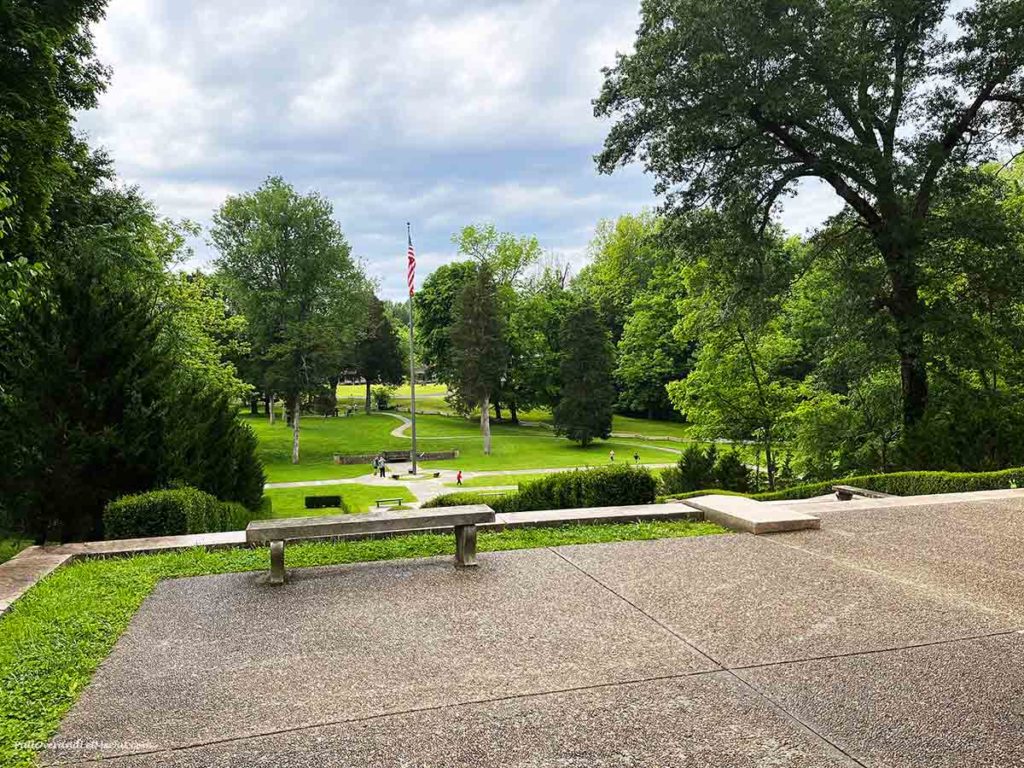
(891, 637)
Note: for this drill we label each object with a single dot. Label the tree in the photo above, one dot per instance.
(732, 102)
(289, 270)
(584, 410)
(436, 305)
(48, 71)
(478, 348)
(378, 356)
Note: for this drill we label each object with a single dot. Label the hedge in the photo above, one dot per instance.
(172, 513)
(917, 483)
(603, 487)
(505, 503)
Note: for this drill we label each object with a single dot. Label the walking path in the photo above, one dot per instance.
(891, 638)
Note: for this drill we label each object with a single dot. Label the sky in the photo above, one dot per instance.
(437, 112)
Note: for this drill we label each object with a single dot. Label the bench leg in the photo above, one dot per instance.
(465, 546)
(277, 562)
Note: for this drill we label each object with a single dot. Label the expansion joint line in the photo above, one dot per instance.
(772, 703)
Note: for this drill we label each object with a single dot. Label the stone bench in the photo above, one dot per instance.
(463, 520)
(847, 492)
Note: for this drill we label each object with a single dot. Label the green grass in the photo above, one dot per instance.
(319, 440)
(290, 502)
(55, 636)
(484, 481)
(650, 427)
(513, 446)
(9, 547)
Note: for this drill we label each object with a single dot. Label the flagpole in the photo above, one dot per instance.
(412, 367)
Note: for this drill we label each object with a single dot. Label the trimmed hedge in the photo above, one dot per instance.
(507, 502)
(172, 513)
(603, 487)
(922, 483)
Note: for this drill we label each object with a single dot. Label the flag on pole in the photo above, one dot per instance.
(410, 274)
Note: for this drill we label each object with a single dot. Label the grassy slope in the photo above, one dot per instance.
(56, 635)
(9, 547)
(290, 502)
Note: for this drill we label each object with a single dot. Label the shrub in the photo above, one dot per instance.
(705, 468)
(909, 484)
(171, 513)
(382, 396)
(505, 503)
(604, 487)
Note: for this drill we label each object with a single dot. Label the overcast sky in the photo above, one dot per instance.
(438, 112)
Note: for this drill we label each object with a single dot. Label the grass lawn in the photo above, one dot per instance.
(55, 636)
(319, 440)
(9, 547)
(290, 502)
(650, 427)
(513, 446)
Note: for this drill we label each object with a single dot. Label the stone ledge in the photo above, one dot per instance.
(742, 514)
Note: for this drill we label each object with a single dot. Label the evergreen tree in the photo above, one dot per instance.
(379, 357)
(477, 348)
(584, 410)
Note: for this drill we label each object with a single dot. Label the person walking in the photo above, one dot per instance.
(458, 478)
(611, 455)
(376, 465)
(636, 457)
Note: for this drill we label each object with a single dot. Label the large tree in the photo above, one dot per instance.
(289, 269)
(378, 355)
(48, 71)
(732, 102)
(584, 409)
(478, 347)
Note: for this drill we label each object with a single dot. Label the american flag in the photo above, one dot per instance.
(410, 274)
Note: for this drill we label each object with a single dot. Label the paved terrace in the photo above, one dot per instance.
(890, 637)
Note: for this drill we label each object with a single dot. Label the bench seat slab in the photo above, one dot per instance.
(384, 521)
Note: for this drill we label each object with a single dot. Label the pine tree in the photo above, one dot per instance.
(478, 349)
(584, 410)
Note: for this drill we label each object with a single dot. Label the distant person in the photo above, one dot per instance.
(383, 467)
(636, 457)
(376, 465)
(458, 478)
(611, 455)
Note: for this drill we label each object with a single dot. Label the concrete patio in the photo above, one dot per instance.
(890, 637)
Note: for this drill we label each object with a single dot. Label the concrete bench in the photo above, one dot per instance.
(847, 492)
(463, 520)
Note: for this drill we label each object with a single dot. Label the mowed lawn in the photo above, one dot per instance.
(291, 502)
(512, 446)
(319, 440)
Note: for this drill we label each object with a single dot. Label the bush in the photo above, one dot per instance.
(505, 503)
(171, 513)
(382, 396)
(604, 487)
(705, 468)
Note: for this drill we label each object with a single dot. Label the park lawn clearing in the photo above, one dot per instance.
(488, 481)
(55, 636)
(319, 440)
(290, 502)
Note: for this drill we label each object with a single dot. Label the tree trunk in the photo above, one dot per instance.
(497, 410)
(485, 423)
(296, 409)
(907, 313)
(271, 408)
(367, 395)
(254, 406)
(513, 412)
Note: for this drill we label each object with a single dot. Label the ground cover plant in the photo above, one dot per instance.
(55, 636)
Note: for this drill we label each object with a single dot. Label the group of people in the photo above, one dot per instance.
(380, 465)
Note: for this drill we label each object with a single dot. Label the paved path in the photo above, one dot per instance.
(891, 637)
